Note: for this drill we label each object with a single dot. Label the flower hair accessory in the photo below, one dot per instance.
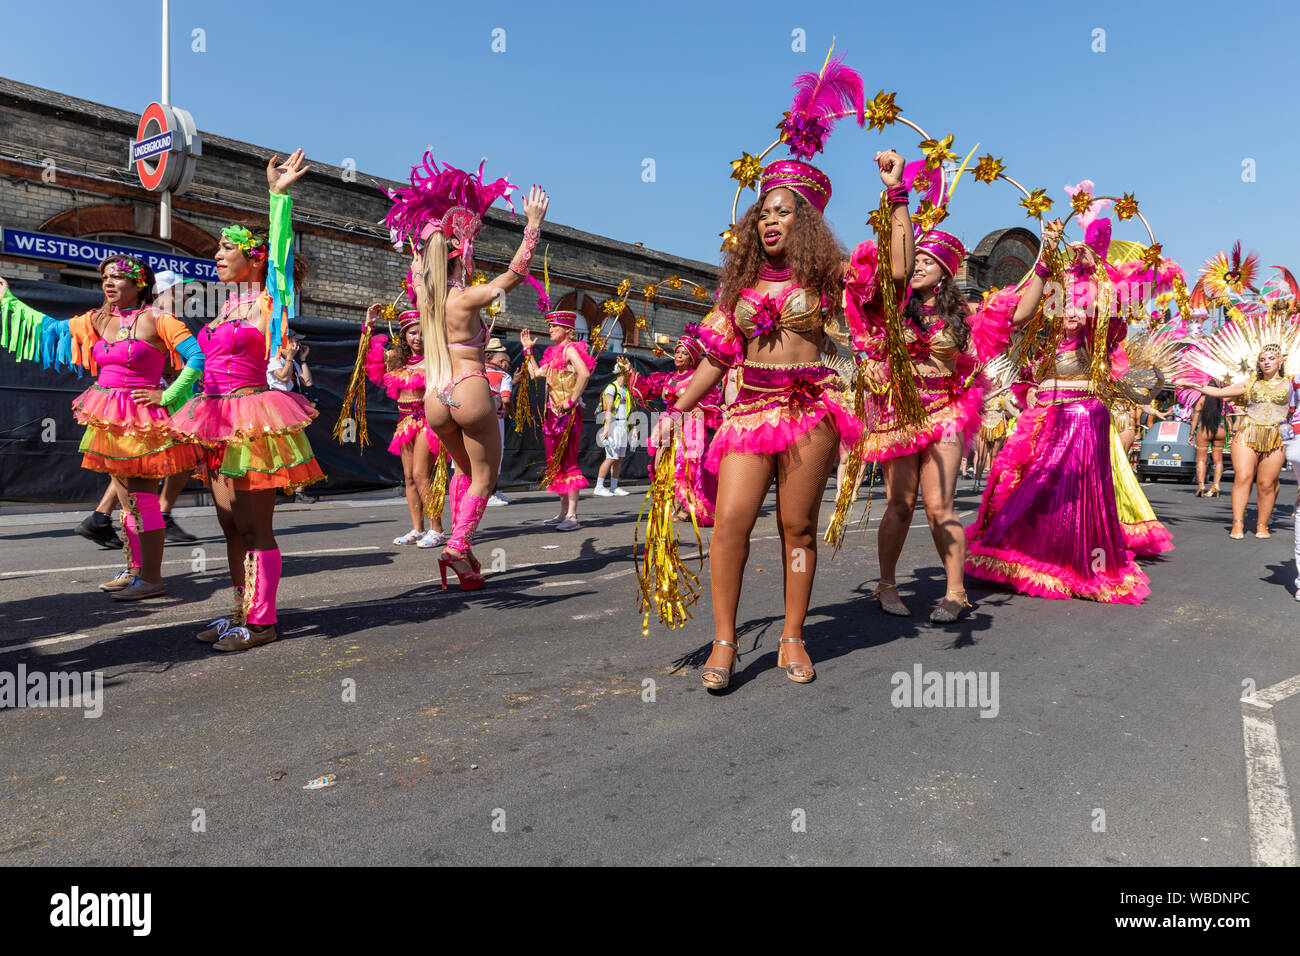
(131, 268)
(447, 200)
(249, 243)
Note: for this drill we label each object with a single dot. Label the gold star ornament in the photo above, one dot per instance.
(728, 240)
(1036, 203)
(649, 292)
(623, 287)
(746, 170)
(1151, 257)
(928, 215)
(938, 151)
(1081, 202)
(1127, 207)
(988, 169)
(881, 111)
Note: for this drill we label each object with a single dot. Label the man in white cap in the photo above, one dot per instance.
(617, 403)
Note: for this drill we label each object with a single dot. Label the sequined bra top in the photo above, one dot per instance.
(792, 308)
(1267, 401)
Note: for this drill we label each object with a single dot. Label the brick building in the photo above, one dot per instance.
(63, 173)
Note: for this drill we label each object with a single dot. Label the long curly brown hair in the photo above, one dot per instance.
(815, 257)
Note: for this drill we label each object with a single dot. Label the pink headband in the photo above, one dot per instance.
(944, 247)
(806, 180)
(567, 320)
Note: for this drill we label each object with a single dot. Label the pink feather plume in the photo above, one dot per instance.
(437, 189)
(818, 97)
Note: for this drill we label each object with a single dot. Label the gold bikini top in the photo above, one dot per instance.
(1267, 402)
(799, 311)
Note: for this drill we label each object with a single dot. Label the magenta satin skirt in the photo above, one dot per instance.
(1048, 525)
(569, 476)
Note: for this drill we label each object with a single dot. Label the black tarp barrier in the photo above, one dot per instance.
(39, 460)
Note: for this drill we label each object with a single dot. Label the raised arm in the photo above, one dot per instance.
(1230, 391)
(1033, 293)
(902, 241)
(476, 297)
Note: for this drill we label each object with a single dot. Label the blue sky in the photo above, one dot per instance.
(585, 92)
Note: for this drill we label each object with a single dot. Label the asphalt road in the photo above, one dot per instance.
(512, 725)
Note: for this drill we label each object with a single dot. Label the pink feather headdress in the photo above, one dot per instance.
(818, 97)
(447, 200)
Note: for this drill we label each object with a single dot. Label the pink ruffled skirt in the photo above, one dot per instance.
(950, 409)
(568, 476)
(411, 423)
(777, 405)
(127, 438)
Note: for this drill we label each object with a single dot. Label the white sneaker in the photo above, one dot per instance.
(621, 492)
(497, 500)
(568, 524)
(409, 538)
(553, 521)
(602, 492)
(432, 539)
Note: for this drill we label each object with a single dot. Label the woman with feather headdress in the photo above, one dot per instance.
(439, 216)
(944, 343)
(1251, 357)
(779, 298)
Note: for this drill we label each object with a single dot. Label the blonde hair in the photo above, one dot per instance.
(431, 300)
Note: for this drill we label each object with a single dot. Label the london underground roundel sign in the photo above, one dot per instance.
(164, 149)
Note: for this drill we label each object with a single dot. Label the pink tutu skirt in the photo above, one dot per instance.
(950, 409)
(257, 441)
(411, 423)
(777, 405)
(127, 438)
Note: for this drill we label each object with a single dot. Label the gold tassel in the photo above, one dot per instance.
(1099, 366)
(525, 414)
(354, 401)
(847, 492)
(250, 585)
(126, 538)
(908, 409)
(553, 465)
(435, 498)
(1183, 300)
(667, 586)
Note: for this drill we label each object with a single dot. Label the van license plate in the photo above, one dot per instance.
(1164, 463)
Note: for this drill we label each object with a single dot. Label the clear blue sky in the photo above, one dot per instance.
(584, 92)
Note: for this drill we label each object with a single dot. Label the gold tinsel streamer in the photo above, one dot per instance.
(1181, 297)
(525, 415)
(250, 585)
(435, 497)
(667, 586)
(908, 409)
(126, 538)
(848, 489)
(1099, 367)
(354, 400)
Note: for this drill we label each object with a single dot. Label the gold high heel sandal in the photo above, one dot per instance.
(798, 672)
(941, 614)
(895, 607)
(1235, 534)
(722, 674)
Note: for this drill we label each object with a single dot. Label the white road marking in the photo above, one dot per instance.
(1272, 826)
(44, 642)
(118, 565)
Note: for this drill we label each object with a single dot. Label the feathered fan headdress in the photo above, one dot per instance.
(444, 199)
(1225, 278)
(1230, 354)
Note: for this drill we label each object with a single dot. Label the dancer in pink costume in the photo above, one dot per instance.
(944, 341)
(439, 216)
(566, 365)
(1048, 524)
(695, 474)
(127, 342)
(254, 438)
(399, 371)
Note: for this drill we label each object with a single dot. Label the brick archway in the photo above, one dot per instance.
(89, 220)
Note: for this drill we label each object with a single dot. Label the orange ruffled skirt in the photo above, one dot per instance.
(257, 441)
(128, 439)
